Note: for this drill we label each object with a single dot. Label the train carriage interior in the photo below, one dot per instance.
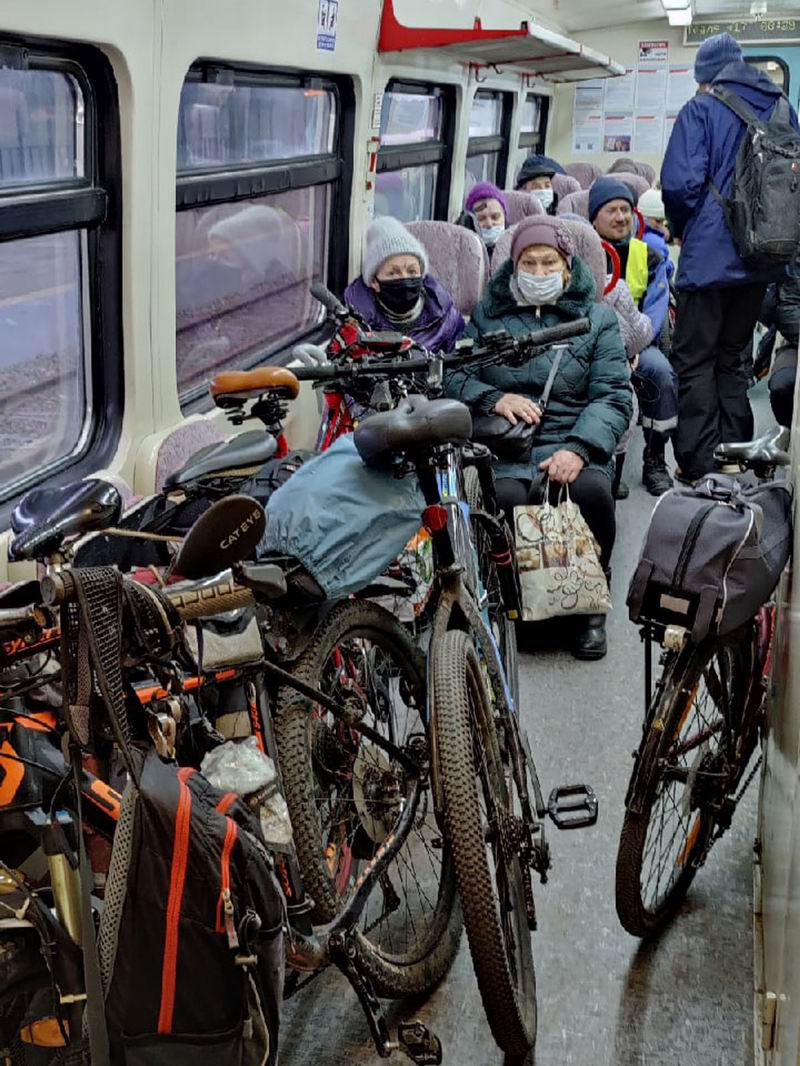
(188, 192)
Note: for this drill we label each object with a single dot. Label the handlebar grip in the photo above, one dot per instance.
(16, 618)
(317, 373)
(555, 334)
(327, 299)
(202, 599)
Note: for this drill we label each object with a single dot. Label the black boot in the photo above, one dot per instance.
(590, 640)
(655, 475)
(619, 490)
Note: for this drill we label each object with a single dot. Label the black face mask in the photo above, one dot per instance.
(400, 295)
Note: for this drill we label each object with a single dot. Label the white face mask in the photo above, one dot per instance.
(544, 196)
(491, 235)
(539, 290)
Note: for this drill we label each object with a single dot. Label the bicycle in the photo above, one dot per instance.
(702, 725)
(485, 785)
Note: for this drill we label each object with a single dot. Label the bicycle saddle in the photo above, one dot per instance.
(45, 517)
(767, 450)
(234, 456)
(249, 384)
(416, 424)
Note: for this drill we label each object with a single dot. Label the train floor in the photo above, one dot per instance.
(604, 1000)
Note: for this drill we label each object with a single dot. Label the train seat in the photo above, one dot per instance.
(564, 184)
(576, 203)
(457, 257)
(629, 166)
(521, 205)
(162, 454)
(635, 182)
(584, 173)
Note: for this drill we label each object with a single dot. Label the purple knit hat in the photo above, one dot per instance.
(484, 190)
(540, 229)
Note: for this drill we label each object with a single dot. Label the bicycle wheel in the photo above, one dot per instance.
(689, 762)
(478, 809)
(504, 630)
(345, 795)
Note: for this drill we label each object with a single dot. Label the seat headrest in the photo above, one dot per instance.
(457, 258)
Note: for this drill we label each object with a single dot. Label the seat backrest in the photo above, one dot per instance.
(563, 185)
(635, 182)
(162, 456)
(502, 250)
(590, 249)
(577, 203)
(630, 166)
(584, 173)
(521, 205)
(457, 258)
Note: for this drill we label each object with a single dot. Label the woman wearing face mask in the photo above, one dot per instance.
(536, 176)
(396, 292)
(485, 212)
(542, 285)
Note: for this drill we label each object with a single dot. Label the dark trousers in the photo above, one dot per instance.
(656, 385)
(591, 490)
(781, 384)
(712, 328)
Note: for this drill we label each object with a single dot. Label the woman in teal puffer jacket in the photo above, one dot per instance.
(590, 405)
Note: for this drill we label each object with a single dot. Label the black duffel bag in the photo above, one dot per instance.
(712, 555)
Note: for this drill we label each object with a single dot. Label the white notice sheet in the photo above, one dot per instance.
(651, 89)
(681, 87)
(648, 134)
(617, 132)
(587, 132)
(620, 91)
(589, 94)
(669, 122)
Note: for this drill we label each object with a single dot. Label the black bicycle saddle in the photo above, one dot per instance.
(44, 517)
(415, 425)
(240, 453)
(771, 449)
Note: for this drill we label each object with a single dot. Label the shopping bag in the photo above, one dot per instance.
(559, 561)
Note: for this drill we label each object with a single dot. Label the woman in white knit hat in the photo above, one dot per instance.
(396, 292)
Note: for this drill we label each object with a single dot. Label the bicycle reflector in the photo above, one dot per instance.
(434, 518)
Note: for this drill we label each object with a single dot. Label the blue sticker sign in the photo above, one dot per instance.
(327, 21)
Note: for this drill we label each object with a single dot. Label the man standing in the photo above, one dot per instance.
(646, 269)
(719, 297)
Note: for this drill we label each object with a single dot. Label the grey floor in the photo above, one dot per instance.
(603, 1000)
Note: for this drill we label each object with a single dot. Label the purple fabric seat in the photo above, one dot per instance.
(577, 203)
(629, 166)
(181, 444)
(563, 185)
(584, 173)
(502, 250)
(635, 182)
(521, 205)
(457, 258)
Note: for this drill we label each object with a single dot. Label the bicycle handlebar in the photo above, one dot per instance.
(330, 302)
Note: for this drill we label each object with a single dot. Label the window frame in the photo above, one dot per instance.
(498, 143)
(423, 153)
(93, 204)
(787, 74)
(209, 186)
(536, 140)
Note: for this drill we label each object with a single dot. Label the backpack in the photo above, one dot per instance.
(763, 206)
(191, 936)
(712, 555)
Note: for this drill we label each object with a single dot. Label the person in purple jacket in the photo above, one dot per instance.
(396, 292)
(719, 296)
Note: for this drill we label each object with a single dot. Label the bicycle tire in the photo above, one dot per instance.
(662, 747)
(504, 629)
(421, 966)
(464, 727)
(23, 974)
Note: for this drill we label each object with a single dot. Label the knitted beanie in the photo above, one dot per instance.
(651, 205)
(484, 190)
(538, 166)
(603, 191)
(713, 54)
(387, 237)
(541, 229)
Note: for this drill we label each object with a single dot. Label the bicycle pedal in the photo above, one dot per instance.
(419, 1043)
(573, 806)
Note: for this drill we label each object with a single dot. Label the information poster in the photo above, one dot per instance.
(589, 95)
(587, 132)
(653, 53)
(669, 123)
(327, 24)
(621, 91)
(648, 134)
(617, 132)
(681, 87)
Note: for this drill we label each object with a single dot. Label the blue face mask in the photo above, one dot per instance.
(491, 235)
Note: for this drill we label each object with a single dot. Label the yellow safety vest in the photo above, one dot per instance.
(636, 272)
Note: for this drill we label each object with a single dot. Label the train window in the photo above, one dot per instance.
(533, 125)
(776, 69)
(489, 127)
(412, 182)
(61, 381)
(259, 173)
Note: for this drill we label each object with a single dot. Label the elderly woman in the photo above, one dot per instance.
(485, 213)
(396, 292)
(544, 284)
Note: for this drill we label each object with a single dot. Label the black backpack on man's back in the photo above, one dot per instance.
(763, 206)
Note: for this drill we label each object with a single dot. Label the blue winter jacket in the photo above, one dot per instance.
(703, 145)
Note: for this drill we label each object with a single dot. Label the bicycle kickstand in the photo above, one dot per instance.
(413, 1038)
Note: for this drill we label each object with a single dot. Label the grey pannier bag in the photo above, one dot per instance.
(712, 555)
